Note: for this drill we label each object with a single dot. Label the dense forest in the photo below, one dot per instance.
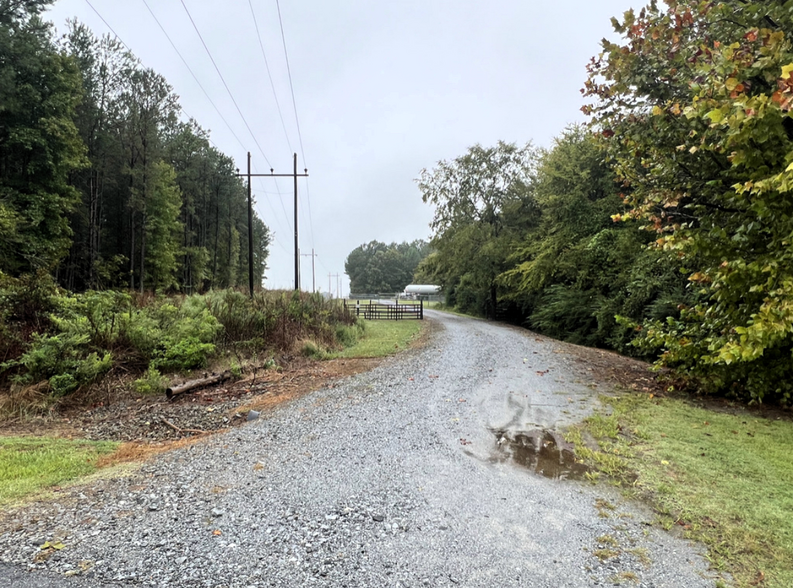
(664, 227)
(123, 231)
(100, 182)
(379, 268)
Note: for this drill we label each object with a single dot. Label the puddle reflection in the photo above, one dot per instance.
(540, 451)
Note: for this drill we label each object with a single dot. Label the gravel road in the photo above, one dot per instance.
(422, 472)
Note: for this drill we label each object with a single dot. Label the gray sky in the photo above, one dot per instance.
(383, 89)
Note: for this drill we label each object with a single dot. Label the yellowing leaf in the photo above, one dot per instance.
(731, 84)
(657, 110)
(715, 115)
(786, 69)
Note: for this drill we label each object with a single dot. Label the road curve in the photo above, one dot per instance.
(403, 476)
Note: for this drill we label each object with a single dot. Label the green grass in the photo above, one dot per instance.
(381, 338)
(29, 465)
(725, 479)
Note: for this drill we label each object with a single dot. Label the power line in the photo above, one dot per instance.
(275, 94)
(291, 87)
(107, 25)
(283, 208)
(137, 59)
(275, 216)
(269, 75)
(297, 120)
(167, 36)
(222, 79)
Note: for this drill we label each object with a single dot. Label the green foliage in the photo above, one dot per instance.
(85, 335)
(312, 349)
(39, 143)
(64, 360)
(552, 258)
(694, 108)
(152, 382)
(163, 230)
(171, 334)
(483, 201)
(376, 267)
(348, 335)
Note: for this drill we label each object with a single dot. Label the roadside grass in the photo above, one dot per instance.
(724, 479)
(382, 338)
(29, 465)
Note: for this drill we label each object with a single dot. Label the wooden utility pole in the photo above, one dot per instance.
(249, 175)
(337, 284)
(250, 229)
(297, 247)
(312, 255)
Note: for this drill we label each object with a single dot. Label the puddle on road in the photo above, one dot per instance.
(540, 451)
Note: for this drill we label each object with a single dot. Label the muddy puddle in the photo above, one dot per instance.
(542, 452)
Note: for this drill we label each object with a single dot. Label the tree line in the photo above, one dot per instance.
(663, 228)
(376, 267)
(100, 183)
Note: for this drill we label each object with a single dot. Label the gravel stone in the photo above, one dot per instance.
(366, 483)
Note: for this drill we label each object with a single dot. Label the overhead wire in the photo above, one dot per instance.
(269, 75)
(297, 120)
(272, 86)
(184, 61)
(222, 79)
(231, 95)
(112, 30)
(102, 18)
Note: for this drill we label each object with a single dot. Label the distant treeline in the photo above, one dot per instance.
(100, 183)
(665, 228)
(376, 267)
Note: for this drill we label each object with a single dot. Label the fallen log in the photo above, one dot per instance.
(196, 384)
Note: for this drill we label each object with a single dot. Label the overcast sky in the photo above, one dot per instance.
(383, 89)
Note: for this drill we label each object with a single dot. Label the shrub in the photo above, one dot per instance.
(152, 382)
(348, 335)
(309, 348)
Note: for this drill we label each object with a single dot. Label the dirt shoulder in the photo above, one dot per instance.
(124, 416)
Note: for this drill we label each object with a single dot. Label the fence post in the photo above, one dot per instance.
(421, 309)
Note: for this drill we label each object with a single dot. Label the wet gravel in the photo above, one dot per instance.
(393, 478)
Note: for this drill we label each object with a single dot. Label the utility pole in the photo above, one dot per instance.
(249, 175)
(250, 229)
(337, 284)
(312, 255)
(297, 247)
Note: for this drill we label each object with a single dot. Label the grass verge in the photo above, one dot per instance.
(29, 465)
(382, 338)
(724, 478)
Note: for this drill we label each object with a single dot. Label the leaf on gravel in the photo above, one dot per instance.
(54, 545)
(217, 532)
(258, 466)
